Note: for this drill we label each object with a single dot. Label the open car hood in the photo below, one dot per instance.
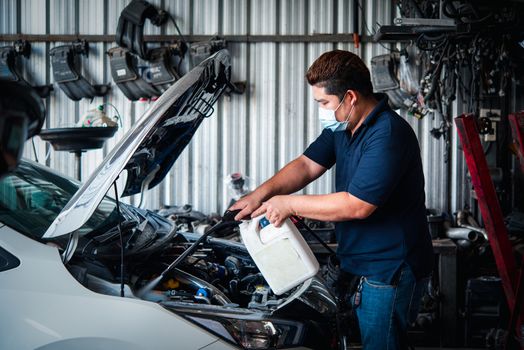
(150, 148)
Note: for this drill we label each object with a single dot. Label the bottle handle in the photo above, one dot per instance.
(255, 227)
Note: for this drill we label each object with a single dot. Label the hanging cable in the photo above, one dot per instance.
(177, 29)
(183, 41)
(373, 33)
(117, 112)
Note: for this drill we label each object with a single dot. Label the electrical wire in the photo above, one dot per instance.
(177, 29)
(436, 74)
(183, 40)
(423, 39)
(467, 49)
(117, 112)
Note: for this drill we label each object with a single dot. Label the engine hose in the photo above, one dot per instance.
(198, 283)
(251, 278)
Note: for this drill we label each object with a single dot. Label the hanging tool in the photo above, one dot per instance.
(9, 67)
(68, 75)
(130, 29)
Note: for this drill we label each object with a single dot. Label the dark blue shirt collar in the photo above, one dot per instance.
(379, 108)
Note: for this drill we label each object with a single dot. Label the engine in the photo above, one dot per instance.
(220, 272)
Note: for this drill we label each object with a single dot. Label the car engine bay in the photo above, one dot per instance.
(220, 271)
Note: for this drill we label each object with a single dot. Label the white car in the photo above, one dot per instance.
(76, 266)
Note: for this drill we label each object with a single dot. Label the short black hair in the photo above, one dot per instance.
(339, 71)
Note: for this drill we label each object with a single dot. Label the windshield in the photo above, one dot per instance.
(32, 197)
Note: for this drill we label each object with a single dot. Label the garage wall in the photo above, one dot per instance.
(255, 133)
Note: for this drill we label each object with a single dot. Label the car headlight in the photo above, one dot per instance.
(254, 334)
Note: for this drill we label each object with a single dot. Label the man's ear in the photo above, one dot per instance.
(352, 96)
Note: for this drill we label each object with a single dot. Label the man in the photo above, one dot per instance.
(379, 203)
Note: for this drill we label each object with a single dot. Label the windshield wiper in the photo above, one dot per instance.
(113, 231)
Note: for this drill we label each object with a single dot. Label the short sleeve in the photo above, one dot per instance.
(322, 150)
(385, 159)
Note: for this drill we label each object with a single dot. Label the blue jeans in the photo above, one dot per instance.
(386, 311)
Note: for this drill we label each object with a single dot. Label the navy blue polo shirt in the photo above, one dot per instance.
(379, 164)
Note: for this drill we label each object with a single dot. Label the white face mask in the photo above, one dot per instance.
(328, 120)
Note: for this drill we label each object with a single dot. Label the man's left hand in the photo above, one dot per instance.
(277, 209)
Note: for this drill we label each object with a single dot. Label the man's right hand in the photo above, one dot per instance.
(247, 205)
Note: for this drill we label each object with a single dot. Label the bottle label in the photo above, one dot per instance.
(263, 222)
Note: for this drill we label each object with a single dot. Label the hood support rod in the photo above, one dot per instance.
(121, 234)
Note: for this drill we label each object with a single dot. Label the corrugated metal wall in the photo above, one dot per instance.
(255, 133)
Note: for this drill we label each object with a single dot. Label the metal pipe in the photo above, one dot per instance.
(110, 38)
(476, 229)
(356, 37)
(462, 233)
(78, 165)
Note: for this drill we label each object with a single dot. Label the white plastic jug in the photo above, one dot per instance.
(280, 253)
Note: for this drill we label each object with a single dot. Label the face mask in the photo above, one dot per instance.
(328, 119)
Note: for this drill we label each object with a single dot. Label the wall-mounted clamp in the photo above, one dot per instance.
(9, 70)
(130, 29)
(126, 76)
(159, 71)
(69, 79)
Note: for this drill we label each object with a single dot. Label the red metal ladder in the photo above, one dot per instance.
(493, 220)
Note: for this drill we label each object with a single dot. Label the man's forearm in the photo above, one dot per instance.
(340, 206)
(291, 178)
